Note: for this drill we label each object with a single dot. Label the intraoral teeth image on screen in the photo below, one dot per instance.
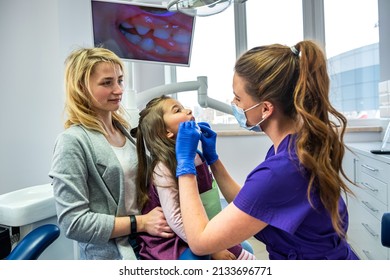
(143, 33)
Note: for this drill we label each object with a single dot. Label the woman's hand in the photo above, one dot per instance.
(187, 140)
(208, 139)
(155, 223)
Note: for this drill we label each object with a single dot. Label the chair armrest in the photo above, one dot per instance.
(385, 231)
(34, 243)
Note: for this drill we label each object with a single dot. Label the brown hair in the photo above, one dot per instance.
(296, 80)
(152, 136)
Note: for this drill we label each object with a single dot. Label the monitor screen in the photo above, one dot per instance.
(143, 33)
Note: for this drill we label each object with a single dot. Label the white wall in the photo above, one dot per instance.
(29, 88)
(241, 154)
(35, 38)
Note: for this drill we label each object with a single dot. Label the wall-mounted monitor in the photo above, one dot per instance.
(143, 33)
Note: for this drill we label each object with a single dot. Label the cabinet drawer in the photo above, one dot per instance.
(375, 168)
(372, 205)
(364, 233)
(374, 187)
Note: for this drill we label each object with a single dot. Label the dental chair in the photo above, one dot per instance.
(385, 230)
(34, 243)
(188, 255)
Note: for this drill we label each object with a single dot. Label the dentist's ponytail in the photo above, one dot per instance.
(319, 144)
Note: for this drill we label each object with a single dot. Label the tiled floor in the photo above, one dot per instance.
(259, 249)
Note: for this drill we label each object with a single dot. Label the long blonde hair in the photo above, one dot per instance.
(296, 80)
(79, 66)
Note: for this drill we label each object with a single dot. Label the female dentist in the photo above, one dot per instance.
(292, 202)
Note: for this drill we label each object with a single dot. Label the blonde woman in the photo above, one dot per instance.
(95, 162)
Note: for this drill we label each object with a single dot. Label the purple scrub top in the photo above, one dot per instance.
(275, 192)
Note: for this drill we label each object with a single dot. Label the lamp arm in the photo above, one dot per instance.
(149, 94)
(200, 85)
(208, 102)
(216, 105)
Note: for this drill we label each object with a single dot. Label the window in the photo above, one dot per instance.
(352, 48)
(213, 55)
(274, 21)
(214, 52)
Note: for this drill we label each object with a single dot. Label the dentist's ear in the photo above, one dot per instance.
(268, 108)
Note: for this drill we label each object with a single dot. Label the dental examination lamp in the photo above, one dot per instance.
(200, 7)
(200, 85)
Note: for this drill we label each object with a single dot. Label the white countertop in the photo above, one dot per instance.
(366, 147)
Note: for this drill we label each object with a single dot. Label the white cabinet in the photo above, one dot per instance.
(371, 173)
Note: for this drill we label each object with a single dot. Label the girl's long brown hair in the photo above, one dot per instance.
(297, 81)
(153, 146)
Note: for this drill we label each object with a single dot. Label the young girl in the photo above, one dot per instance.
(157, 183)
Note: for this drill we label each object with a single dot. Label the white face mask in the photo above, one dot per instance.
(240, 116)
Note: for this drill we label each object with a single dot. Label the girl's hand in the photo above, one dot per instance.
(223, 255)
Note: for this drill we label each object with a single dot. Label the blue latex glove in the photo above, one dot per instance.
(208, 139)
(187, 140)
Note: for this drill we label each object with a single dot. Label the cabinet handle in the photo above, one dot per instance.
(370, 168)
(368, 255)
(355, 165)
(368, 186)
(370, 230)
(369, 206)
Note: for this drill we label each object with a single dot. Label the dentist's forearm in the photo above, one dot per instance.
(228, 186)
(193, 213)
